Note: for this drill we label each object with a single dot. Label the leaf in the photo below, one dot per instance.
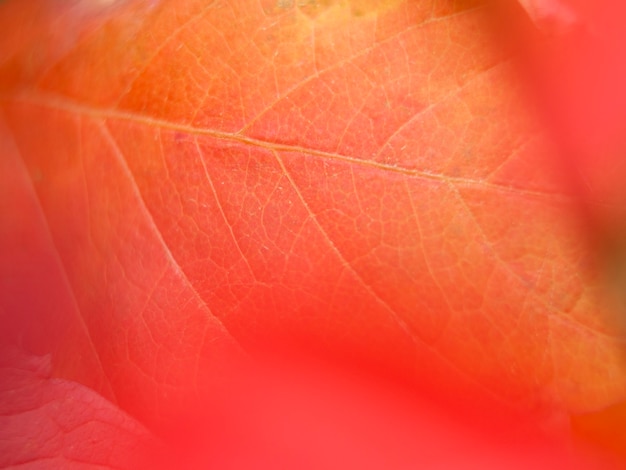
(54, 423)
(363, 179)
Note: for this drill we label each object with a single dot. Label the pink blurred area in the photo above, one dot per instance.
(574, 60)
(31, 283)
(308, 414)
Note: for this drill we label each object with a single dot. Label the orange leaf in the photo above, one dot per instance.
(365, 179)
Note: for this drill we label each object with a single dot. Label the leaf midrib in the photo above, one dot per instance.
(60, 103)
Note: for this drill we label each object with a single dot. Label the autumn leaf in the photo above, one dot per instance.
(193, 181)
(54, 423)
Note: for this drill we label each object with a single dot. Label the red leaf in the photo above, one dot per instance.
(365, 180)
(54, 423)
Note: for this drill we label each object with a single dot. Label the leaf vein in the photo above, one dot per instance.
(64, 104)
(116, 150)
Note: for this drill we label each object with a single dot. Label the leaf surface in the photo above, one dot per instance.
(365, 178)
(55, 423)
